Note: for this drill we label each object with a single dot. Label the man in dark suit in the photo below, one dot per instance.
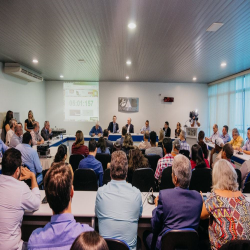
(167, 130)
(113, 126)
(46, 132)
(176, 208)
(129, 126)
(109, 143)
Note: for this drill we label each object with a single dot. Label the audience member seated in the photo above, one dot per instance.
(176, 208)
(46, 132)
(61, 154)
(129, 126)
(227, 207)
(17, 138)
(167, 129)
(118, 204)
(136, 160)
(36, 137)
(146, 127)
(89, 241)
(219, 144)
(128, 144)
(11, 132)
(29, 123)
(91, 162)
(16, 197)
(246, 147)
(153, 150)
(203, 145)
(78, 147)
(237, 142)
(62, 229)
(96, 130)
(197, 158)
(29, 155)
(160, 138)
(166, 161)
(184, 144)
(6, 124)
(214, 136)
(108, 142)
(113, 126)
(124, 132)
(226, 153)
(176, 147)
(177, 130)
(145, 144)
(225, 136)
(102, 147)
(3, 148)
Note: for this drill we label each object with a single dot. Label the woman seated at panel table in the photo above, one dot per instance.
(197, 158)
(78, 147)
(227, 207)
(102, 147)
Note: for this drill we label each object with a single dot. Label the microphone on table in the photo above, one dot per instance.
(150, 198)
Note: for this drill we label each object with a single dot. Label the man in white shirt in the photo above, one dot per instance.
(129, 126)
(145, 144)
(15, 197)
(10, 133)
(17, 138)
(214, 136)
(37, 139)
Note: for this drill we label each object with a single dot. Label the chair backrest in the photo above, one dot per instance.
(85, 180)
(104, 159)
(180, 239)
(143, 179)
(185, 152)
(247, 187)
(153, 160)
(236, 245)
(201, 180)
(106, 176)
(114, 244)
(74, 161)
(238, 177)
(166, 179)
(143, 151)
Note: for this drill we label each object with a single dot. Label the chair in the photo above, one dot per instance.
(153, 160)
(143, 179)
(74, 161)
(166, 179)
(238, 177)
(247, 187)
(114, 244)
(85, 180)
(201, 180)
(143, 151)
(185, 152)
(180, 239)
(236, 245)
(106, 176)
(104, 159)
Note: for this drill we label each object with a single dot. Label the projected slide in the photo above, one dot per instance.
(81, 101)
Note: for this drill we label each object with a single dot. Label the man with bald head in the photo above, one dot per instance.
(129, 126)
(17, 138)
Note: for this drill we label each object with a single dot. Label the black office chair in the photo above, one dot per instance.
(180, 239)
(143, 151)
(247, 187)
(143, 179)
(185, 152)
(114, 244)
(166, 179)
(104, 159)
(201, 180)
(85, 180)
(238, 177)
(74, 161)
(236, 245)
(106, 176)
(153, 160)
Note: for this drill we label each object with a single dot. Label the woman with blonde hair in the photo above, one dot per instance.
(78, 147)
(29, 123)
(227, 207)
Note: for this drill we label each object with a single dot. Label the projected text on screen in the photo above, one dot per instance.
(81, 101)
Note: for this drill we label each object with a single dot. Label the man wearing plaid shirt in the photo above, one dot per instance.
(167, 160)
(184, 144)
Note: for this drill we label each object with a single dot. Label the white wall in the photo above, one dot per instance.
(20, 96)
(188, 96)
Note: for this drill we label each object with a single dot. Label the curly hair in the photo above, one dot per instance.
(128, 141)
(137, 159)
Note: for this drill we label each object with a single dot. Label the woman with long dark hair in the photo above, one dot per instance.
(61, 154)
(102, 147)
(197, 158)
(203, 145)
(6, 124)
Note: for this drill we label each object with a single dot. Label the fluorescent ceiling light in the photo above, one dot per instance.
(128, 62)
(223, 64)
(35, 61)
(214, 27)
(132, 26)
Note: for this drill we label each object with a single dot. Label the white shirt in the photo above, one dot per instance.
(15, 197)
(9, 134)
(214, 136)
(128, 129)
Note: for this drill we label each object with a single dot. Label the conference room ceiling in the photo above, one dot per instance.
(169, 44)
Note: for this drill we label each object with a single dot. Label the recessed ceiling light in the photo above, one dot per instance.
(194, 78)
(223, 64)
(61, 76)
(214, 27)
(127, 77)
(132, 26)
(35, 61)
(128, 62)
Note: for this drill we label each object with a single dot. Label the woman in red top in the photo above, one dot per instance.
(78, 147)
(197, 157)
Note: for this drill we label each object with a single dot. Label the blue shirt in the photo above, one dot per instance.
(226, 138)
(100, 152)
(15, 140)
(144, 129)
(95, 131)
(3, 148)
(59, 233)
(118, 207)
(91, 162)
(247, 145)
(30, 158)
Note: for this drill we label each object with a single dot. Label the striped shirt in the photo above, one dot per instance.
(163, 163)
(184, 146)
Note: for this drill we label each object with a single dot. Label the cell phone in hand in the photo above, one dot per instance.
(44, 201)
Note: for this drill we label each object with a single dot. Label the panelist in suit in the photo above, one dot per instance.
(167, 130)
(46, 132)
(129, 126)
(113, 126)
